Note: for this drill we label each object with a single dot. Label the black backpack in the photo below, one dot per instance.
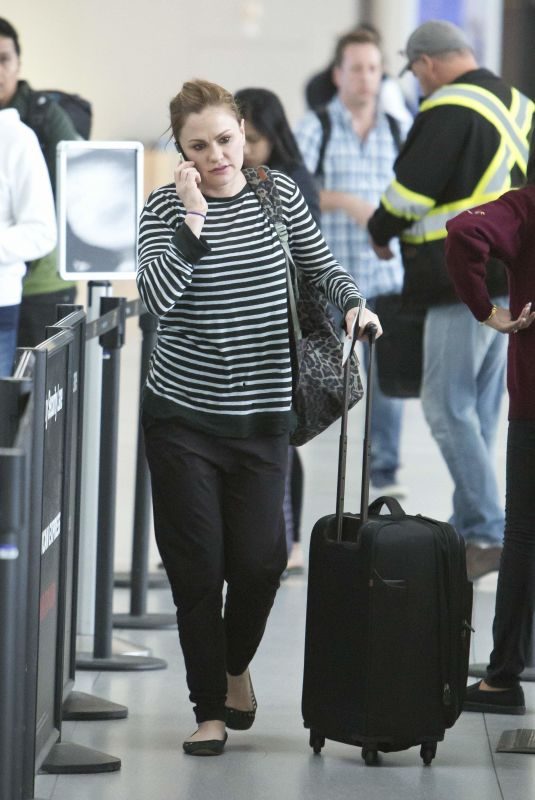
(325, 120)
(77, 109)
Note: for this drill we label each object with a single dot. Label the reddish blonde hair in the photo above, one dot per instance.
(194, 97)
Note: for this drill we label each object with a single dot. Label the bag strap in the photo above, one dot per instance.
(325, 122)
(36, 115)
(261, 182)
(395, 130)
(326, 128)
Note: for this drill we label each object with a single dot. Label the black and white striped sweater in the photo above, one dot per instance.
(222, 359)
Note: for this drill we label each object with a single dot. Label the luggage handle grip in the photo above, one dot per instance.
(391, 503)
(371, 331)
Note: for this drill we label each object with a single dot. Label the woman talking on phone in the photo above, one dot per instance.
(217, 401)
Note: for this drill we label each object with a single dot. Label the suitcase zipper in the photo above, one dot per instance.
(456, 610)
(445, 596)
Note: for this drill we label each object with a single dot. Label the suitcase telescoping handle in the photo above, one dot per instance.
(371, 332)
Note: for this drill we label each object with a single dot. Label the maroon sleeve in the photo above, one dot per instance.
(493, 229)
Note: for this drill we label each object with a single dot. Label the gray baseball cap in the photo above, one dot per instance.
(434, 37)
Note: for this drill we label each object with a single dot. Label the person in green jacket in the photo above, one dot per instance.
(43, 288)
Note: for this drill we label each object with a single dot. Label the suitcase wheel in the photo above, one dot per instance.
(316, 741)
(370, 756)
(428, 751)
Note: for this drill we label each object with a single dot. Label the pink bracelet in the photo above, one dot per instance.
(197, 213)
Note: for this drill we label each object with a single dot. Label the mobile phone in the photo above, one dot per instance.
(180, 157)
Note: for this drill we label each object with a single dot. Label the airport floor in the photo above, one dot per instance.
(273, 759)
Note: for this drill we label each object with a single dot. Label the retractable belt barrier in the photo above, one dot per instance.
(113, 319)
(41, 413)
(109, 327)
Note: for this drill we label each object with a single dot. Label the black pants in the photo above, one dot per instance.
(39, 310)
(515, 594)
(218, 517)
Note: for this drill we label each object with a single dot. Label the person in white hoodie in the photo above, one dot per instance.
(27, 221)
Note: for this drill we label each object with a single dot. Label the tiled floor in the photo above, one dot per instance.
(273, 760)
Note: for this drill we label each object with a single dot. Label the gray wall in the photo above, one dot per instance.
(130, 56)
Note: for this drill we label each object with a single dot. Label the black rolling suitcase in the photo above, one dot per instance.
(387, 626)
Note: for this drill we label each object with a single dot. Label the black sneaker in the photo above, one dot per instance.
(509, 701)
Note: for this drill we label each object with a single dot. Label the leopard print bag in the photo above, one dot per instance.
(318, 384)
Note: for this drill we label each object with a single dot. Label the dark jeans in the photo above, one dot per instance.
(218, 517)
(39, 310)
(515, 594)
(9, 316)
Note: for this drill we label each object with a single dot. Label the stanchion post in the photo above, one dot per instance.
(78, 705)
(89, 489)
(90, 466)
(139, 580)
(142, 506)
(111, 343)
(103, 658)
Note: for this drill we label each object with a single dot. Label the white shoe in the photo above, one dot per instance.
(396, 490)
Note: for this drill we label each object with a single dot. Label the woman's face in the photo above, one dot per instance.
(257, 147)
(214, 140)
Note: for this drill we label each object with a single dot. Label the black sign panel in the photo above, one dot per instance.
(73, 402)
(51, 543)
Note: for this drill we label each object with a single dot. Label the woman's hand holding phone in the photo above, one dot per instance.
(187, 182)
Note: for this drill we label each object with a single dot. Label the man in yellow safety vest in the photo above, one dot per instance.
(467, 146)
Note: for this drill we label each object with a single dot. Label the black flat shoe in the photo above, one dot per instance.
(298, 569)
(210, 747)
(510, 701)
(238, 720)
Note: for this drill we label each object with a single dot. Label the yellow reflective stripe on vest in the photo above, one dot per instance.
(497, 176)
(402, 202)
(524, 115)
(432, 227)
(510, 127)
(512, 124)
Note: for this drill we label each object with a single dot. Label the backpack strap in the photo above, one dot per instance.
(261, 182)
(36, 115)
(325, 122)
(395, 130)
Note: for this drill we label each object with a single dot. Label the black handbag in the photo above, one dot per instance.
(399, 351)
(318, 385)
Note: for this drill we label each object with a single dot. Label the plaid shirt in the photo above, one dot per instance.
(364, 168)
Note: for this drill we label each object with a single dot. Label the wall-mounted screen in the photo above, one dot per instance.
(99, 199)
